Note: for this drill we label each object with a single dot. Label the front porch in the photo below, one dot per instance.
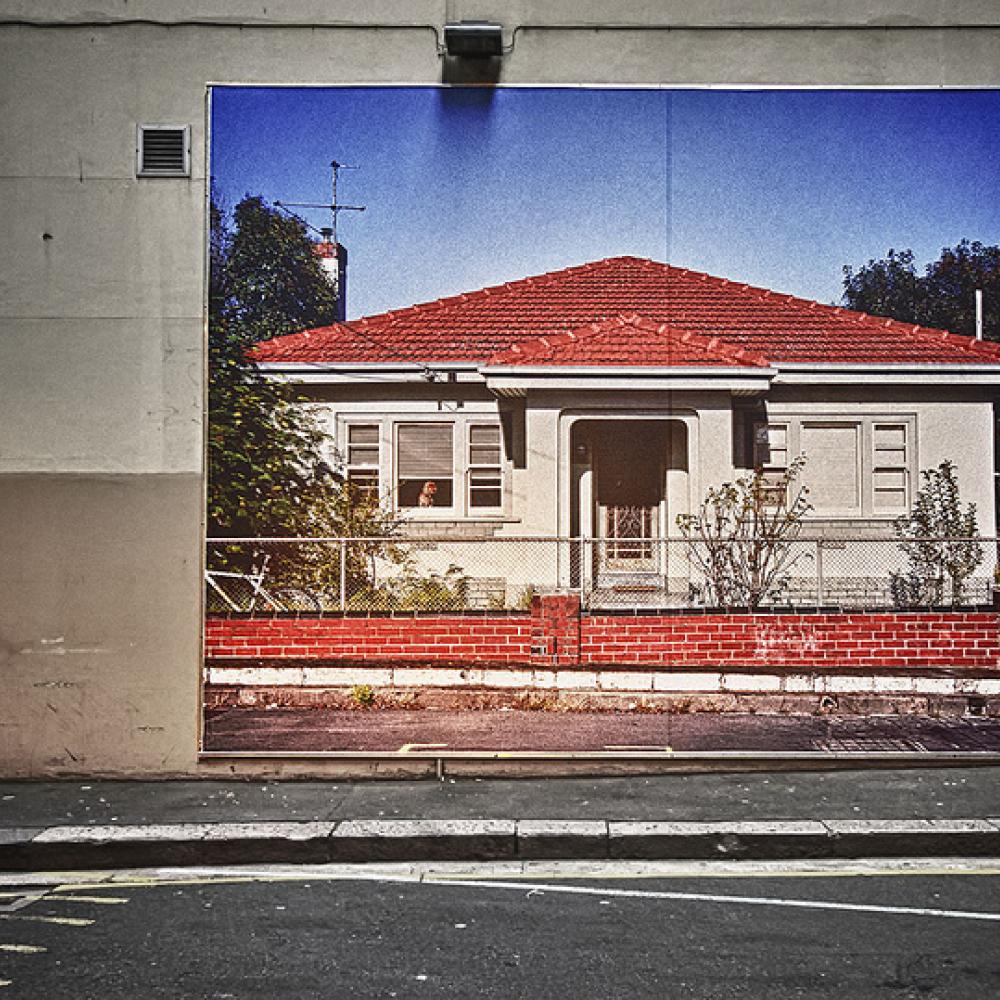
(629, 479)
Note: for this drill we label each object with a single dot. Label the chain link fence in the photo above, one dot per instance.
(335, 575)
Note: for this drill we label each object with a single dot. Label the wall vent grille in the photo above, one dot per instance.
(163, 151)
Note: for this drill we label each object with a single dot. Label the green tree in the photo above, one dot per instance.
(939, 541)
(943, 296)
(267, 468)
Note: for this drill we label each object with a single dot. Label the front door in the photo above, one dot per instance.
(629, 468)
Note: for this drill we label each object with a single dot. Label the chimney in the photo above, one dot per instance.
(333, 259)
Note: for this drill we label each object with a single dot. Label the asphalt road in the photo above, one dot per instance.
(509, 729)
(617, 931)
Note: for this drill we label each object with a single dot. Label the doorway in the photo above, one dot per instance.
(629, 459)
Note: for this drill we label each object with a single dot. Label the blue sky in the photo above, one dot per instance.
(470, 187)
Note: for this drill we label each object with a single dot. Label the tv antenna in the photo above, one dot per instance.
(334, 207)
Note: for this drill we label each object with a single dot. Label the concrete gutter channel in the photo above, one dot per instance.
(62, 847)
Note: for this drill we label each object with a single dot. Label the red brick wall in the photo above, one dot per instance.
(441, 638)
(555, 629)
(877, 639)
(556, 634)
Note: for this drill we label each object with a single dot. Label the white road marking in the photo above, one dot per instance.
(22, 900)
(23, 949)
(809, 904)
(81, 881)
(6, 982)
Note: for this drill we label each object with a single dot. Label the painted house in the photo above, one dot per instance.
(602, 400)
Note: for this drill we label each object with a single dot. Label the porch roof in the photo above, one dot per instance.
(627, 340)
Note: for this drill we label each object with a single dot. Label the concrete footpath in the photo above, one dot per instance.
(918, 812)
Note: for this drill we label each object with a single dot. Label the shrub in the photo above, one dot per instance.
(742, 537)
(938, 538)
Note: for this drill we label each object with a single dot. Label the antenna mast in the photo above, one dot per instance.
(333, 255)
(334, 208)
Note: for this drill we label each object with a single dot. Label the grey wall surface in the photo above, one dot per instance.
(102, 284)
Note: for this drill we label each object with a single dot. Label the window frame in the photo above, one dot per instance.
(461, 423)
(770, 468)
(417, 511)
(865, 424)
(477, 468)
(365, 468)
(903, 468)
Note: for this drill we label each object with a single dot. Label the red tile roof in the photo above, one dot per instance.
(628, 340)
(478, 325)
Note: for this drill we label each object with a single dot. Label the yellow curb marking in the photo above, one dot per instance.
(100, 900)
(68, 921)
(23, 949)
(636, 746)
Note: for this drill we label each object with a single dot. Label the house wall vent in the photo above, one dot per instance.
(163, 151)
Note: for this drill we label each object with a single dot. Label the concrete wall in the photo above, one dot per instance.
(101, 329)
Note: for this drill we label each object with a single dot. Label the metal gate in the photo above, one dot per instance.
(625, 541)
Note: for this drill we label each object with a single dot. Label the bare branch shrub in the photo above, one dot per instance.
(741, 538)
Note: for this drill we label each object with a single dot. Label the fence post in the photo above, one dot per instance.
(343, 574)
(820, 584)
(581, 571)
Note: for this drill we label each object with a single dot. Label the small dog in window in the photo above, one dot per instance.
(426, 498)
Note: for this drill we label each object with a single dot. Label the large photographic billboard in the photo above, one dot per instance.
(546, 419)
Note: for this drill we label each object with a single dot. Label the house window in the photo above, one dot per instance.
(485, 482)
(770, 455)
(832, 473)
(425, 465)
(363, 460)
(854, 467)
(889, 468)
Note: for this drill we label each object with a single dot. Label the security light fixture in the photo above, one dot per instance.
(473, 40)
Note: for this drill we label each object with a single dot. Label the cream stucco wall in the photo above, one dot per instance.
(101, 290)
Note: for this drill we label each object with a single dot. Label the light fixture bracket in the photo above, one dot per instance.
(473, 40)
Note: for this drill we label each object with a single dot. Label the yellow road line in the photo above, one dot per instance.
(23, 949)
(637, 746)
(68, 921)
(100, 900)
(149, 883)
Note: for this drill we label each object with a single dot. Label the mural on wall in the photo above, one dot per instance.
(598, 400)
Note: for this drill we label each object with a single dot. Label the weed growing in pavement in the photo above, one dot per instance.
(363, 695)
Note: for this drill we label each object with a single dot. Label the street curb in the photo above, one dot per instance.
(62, 847)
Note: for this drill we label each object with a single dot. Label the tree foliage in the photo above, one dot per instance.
(742, 537)
(938, 540)
(267, 463)
(942, 296)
